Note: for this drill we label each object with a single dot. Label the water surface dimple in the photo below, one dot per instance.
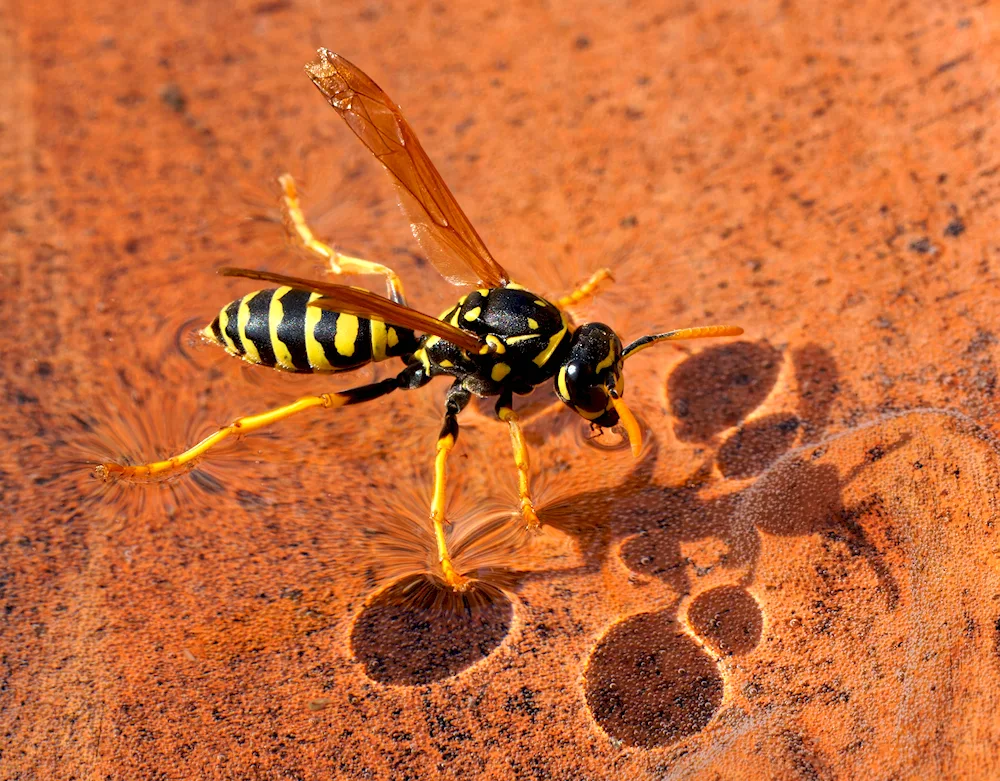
(728, 619)
(648, 684)
(757, 445)
(717, 387)
(413, 633)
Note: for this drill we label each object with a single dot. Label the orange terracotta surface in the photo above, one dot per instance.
(798, 578)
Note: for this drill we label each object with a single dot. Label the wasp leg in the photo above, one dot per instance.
(245, 425)
(505, 411)
(586, 290)
(299, 230)
(458, 397)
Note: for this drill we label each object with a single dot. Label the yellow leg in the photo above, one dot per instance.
(245, 425)
(585, 290)
(457, 399)
(299, 230)
(506, 413)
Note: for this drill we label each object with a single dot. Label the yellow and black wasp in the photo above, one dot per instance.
(498, 340)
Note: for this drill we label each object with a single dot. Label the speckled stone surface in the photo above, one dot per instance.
(798, 578)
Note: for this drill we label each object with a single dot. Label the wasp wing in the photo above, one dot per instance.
(438, 223)
(362, 303)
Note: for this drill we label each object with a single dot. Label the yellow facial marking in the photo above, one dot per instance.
(522, 338)
(607, 361)
(274, 315)
(379, 338)
(393, 337)
(500, 370)
(347, 334)
(588, 415)
(532, 324)
(561, 384)
(473, 313)
(314, 350)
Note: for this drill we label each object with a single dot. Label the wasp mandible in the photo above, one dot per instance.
(498, 340)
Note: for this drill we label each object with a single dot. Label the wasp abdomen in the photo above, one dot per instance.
(277, 328)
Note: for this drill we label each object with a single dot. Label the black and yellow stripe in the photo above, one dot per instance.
(277, 328)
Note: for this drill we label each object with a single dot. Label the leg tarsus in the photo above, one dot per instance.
(505, 411)
(586, 290)
(458, 397)
(245, 425)
(300, 232)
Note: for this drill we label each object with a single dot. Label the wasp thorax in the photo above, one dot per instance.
(591, 372)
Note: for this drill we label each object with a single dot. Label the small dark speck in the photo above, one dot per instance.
(942, 178)
(171, 95)
(955, 228)
(633, 113)
(582, 42)
(917, 465)
(628, 222)
(25, 398)
(961, 24)
(272, 7)
(44, 368)
(132, 246)
(923, 246)
(464, 125)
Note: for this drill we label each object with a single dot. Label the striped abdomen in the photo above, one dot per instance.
(276, 328)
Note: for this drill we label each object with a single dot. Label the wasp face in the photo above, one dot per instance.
(592, 374)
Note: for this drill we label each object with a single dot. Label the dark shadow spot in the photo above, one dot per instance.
(414, 633)
(757, 445)
(728, 619)
(648, 684)
(718, 387)
(816, 373)
(795, 498)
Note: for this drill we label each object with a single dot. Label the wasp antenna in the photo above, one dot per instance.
(699, 332)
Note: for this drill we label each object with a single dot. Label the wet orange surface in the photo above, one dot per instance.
(798, 578)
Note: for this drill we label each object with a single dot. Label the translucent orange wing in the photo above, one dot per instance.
(438, 223)
(362, 303)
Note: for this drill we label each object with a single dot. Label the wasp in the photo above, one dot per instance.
(498, 340)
